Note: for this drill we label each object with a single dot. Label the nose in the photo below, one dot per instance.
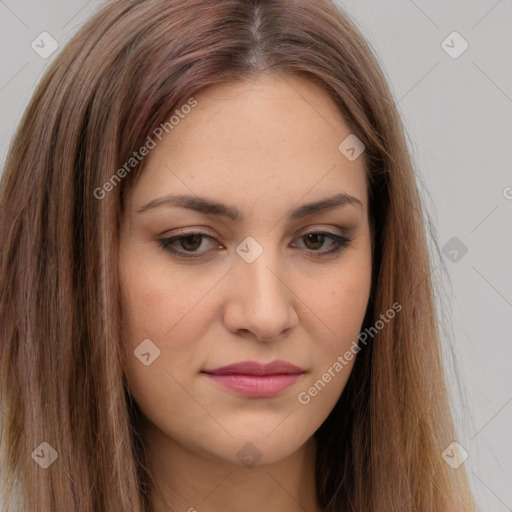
(260, 300)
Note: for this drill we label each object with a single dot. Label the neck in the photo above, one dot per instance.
(184, 480)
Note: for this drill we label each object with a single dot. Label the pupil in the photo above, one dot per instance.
(190, 239)
(315, 238)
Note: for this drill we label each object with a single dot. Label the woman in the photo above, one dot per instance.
(292, 361)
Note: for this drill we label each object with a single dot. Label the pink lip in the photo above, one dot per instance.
(255, 379)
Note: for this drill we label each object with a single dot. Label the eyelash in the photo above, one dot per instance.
(340, 242)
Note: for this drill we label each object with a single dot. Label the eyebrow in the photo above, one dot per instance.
(212, 207)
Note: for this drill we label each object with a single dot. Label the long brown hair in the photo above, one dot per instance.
(62, 375)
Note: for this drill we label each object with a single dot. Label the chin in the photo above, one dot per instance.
(256, 449)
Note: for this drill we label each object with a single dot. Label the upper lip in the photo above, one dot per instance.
(277, 367)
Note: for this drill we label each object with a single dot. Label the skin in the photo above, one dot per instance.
(266, 147)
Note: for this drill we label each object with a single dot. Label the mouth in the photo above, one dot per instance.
(255, 379)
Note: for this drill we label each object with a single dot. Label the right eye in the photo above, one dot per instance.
(186, 245)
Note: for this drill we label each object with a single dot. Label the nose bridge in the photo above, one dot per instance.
(260, 273)
(262, 301)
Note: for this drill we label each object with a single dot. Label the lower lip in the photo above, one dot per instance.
(255, 385)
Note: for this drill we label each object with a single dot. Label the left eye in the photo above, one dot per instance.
(316, 240)
(188, 244)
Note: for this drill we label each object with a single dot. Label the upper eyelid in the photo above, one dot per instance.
(178, 232)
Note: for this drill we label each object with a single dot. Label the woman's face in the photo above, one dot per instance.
(271, 283)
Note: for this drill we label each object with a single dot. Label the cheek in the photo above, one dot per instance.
(159, 303)
(339, 304)
(159, 307)
(172, 310)
(338, 310)
(347, 306)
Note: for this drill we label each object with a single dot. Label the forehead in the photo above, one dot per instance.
(261, 140)
(276, 110)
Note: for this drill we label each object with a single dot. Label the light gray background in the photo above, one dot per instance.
(458, 115)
